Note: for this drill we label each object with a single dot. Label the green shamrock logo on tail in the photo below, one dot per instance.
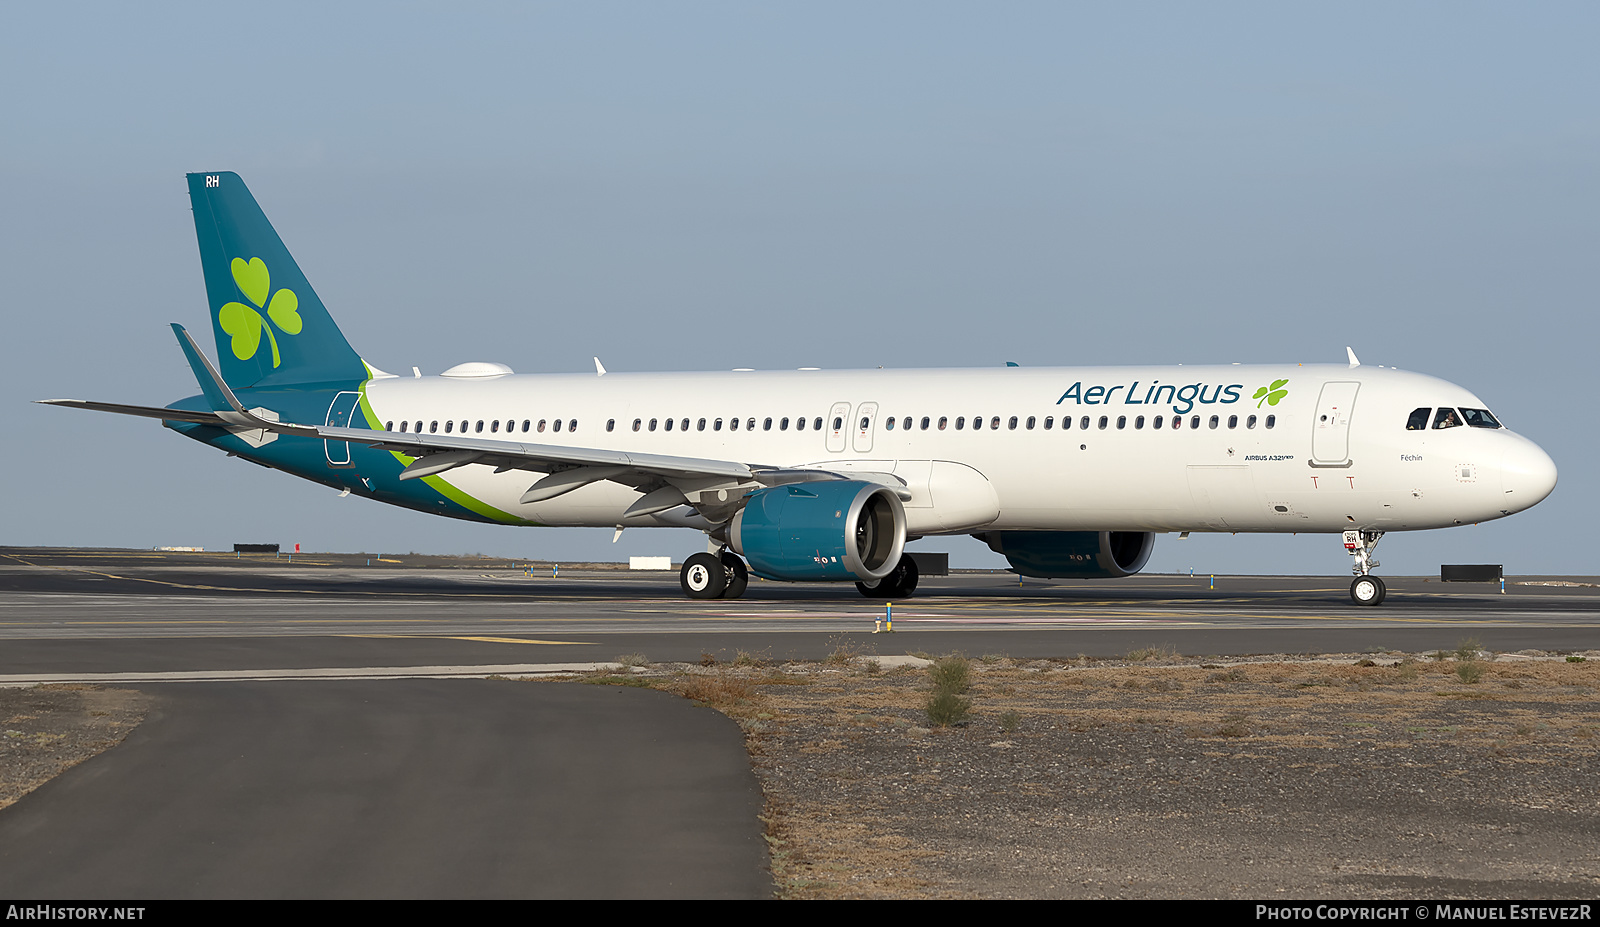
(245, 323)
(1271, 394)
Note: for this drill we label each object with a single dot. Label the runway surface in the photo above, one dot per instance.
(137, 611)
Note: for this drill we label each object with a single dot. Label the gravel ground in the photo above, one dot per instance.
(1168, 778)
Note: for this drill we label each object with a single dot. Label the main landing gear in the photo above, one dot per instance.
(714, 576)
(899, 584)
(1366, 589)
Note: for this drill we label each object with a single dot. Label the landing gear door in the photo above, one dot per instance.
(339, 413)
(838, 426)
(865, 421)
(1330, 434)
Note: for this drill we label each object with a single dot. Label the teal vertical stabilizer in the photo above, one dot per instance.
(271, 328)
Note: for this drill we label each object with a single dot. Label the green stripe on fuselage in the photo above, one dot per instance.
(438, 484)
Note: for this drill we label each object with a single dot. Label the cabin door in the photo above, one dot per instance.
(1330, 427)
(339, 413)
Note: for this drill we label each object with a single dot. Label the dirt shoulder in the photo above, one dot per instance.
(45, 730)
(1164, 778)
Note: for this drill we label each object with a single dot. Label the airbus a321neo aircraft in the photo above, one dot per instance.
(818, 476)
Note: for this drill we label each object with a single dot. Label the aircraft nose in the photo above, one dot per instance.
(1527, 474)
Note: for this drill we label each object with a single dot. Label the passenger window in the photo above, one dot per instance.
(541, 426)
(1122, 422)
(1030, 422)
(1177, 422)
(1480, 418)
(403, 426)
(838, 423)
(994, 423)
(1138, 422)
(1250, 422)
(942, 422)
(799, 424)
(701, 426)
(1049, 422)
(1156, 421)
(433, 427)
(888, 423)
(463, 426)
(750, 425)
(684, 425)
(907, 423)
(667, 425)
(1272, 420)
(526, 425)
(1233, 421)
(961, 422)
(1446, 418)
(1066, 423)
(611, 424)
(448, 426)
(716, 425)
(925, 423)
(1084, 423)
(766, 425)
(638, 422)
(1419, 419)
(556, 425)
(478, 427)
(1194, 421)
(1215, 421)
(816, 423)
(733, 424)
(494, 426)
(572, 425)
(652, 424)
(1104, 420)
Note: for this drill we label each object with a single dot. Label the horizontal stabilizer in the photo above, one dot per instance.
(169, 415)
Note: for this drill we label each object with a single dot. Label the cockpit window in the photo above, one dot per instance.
(1480, 418)
(1418, 420)
(1446, 418)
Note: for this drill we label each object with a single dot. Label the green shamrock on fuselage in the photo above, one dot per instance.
(245, 324)
(1271, 394)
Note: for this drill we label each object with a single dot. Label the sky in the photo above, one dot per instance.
(696, 186)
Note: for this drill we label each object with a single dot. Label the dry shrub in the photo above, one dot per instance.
(718, 691)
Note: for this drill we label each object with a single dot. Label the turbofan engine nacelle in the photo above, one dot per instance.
(833, 530)
(1072, 554)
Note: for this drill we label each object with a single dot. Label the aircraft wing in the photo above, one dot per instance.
(667, 481)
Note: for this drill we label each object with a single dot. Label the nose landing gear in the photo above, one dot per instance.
(1366, 589)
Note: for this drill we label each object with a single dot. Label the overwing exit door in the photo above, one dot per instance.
(866, 420)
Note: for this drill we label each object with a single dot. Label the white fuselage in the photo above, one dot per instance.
(1335, 454)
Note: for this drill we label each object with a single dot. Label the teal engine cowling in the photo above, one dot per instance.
(834, 530)
(1072, 554)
